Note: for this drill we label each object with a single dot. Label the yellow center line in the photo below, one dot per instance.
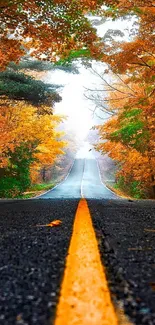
(85, 297)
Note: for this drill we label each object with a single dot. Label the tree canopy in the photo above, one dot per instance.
(60, 31)
(49, 29)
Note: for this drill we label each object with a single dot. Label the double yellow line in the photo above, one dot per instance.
(85, 297)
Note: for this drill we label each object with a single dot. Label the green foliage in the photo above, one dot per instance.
(15, 179)
(73, 55)
(136, 190)
(132, 131)
(31, 64)
(137, 10)
(120, 182)
(132, 113)
(69, 67)
(132, 188)
(9, 187)
(19, 86)
(36, 65)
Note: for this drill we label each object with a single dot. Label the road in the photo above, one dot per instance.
(33, 254)
(83, 181)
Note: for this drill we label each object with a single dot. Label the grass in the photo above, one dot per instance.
(41, 187)
(114, 188)
(37, 189)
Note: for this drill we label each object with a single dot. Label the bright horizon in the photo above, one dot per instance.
(74, 105)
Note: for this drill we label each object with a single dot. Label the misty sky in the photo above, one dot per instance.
(74, 104)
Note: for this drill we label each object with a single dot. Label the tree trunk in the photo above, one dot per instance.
(153, 186)
(44, 174)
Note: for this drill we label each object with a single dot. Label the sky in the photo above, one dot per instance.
(74, 105)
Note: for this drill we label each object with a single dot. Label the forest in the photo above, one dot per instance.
(37, 36)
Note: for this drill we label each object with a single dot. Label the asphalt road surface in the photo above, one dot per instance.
(83, 181)
(32, 258)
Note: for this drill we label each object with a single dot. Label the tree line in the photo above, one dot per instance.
(60, 31)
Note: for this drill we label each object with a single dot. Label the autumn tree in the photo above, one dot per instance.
(60, 31)
(136, 57)
(129, 135)
(51, 29)
(129, 139)
(28, 140)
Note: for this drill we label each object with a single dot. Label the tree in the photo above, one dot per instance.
(19, 86)
(52, 29)
(137, 55)
(29, 64)
(28, 140)
(130, 136)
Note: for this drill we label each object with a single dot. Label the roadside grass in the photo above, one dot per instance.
(118, 191)
(108, 170)
(40, 187)
(131, 190)
(37, 189)
(121, 192)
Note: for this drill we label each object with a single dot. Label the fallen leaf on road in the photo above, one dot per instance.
(150, 230)
(54, 223)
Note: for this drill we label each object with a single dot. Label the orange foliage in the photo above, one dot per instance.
(130, 133)
(21, 124)
(139, 54)
(130, 136)
(48, 28)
